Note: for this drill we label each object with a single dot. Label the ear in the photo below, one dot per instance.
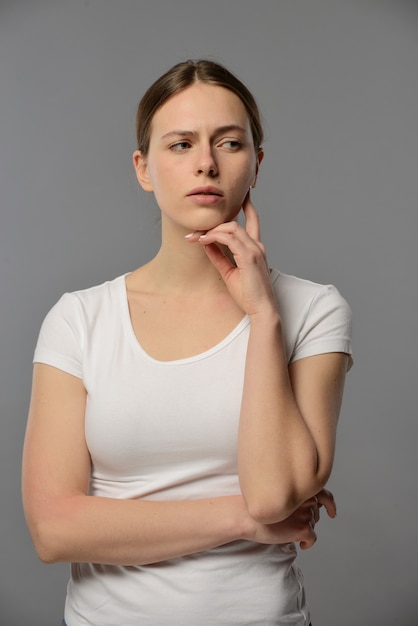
(260, 157)
(141, 170)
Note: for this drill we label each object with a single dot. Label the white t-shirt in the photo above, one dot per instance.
(168, 431)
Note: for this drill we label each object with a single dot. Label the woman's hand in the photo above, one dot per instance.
(298, 527)
(248, 279)
(326, 499)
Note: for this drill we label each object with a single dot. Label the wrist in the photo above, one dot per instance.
(266, 318)
(245, 526)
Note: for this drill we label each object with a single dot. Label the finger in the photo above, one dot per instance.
(219, 260)
(313, 505)
(326, 499)
(252, 222)
(235, 238)
(244, 249)
(312, 520)
(307, 543)
(226, 228)
(193, 237)
(315, 510)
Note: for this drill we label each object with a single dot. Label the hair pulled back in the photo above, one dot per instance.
(183, 75)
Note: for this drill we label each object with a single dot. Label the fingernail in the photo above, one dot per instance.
(189, 236)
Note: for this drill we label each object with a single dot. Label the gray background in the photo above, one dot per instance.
(337, 84)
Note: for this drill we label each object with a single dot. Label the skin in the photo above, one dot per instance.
(201, 136)
(208, 274)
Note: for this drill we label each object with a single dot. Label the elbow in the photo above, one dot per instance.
(265, 514)
(275, 505)
(47, 557)
(271, 508)
(46, 541)
(45, 549)
(53, 528)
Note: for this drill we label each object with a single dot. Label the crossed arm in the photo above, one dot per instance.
(67, 524)
(285, 448)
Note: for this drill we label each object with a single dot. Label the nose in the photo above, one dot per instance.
(206, 163)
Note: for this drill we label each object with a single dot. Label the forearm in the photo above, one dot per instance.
(277, 456)
(133, 532)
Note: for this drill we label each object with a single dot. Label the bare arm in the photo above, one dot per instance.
(287, 426)
(67, 524)
(288, 417)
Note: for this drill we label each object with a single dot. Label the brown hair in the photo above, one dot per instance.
(183, 75)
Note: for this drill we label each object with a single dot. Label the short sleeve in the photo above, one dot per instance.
(61, 337)
(327, 326)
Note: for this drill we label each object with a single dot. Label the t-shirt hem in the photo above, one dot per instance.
(324, 347)
(56, 360)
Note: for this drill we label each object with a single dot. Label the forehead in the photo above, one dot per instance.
(200, 106)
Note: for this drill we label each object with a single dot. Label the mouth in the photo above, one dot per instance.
(206, 191)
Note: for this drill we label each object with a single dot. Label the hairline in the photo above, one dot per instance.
(240, 90)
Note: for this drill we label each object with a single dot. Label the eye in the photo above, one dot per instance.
(180, 146)
(231, 144)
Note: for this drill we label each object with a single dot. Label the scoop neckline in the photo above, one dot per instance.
(237, 330)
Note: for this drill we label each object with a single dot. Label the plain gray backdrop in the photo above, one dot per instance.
(337, 83)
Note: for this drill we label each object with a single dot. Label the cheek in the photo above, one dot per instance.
(162, 179)
(237, 199)
(247, 172)
(242, 184)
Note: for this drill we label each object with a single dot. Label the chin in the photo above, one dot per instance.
(208, 224)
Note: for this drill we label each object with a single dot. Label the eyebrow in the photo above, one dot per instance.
(218, 131)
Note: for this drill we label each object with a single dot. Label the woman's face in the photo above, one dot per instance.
(201, 160)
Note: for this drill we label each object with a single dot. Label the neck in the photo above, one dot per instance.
(182, 266)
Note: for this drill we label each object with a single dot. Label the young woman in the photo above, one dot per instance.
(183, 416)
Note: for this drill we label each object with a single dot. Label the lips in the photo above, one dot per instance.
(206, 191)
